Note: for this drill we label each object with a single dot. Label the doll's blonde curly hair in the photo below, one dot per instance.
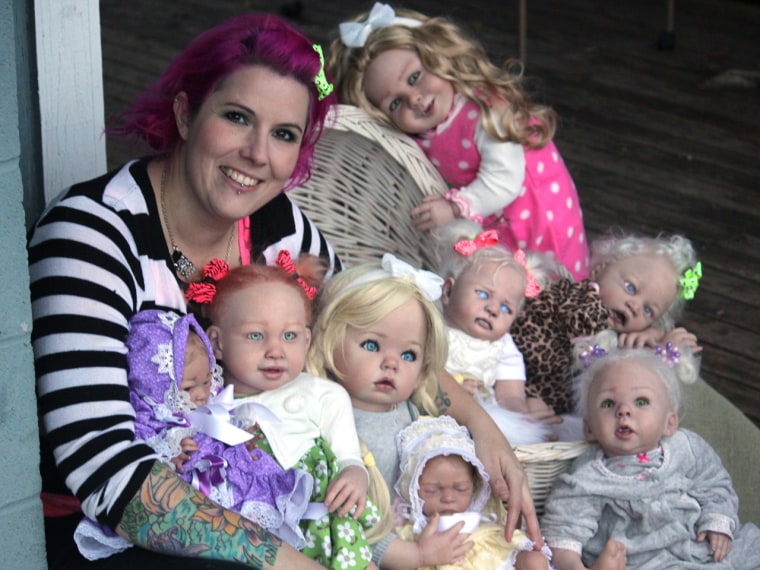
(448, 51)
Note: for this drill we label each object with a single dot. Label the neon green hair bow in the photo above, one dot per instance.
(690, 281)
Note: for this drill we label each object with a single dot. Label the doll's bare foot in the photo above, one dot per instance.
(612, 557)
(531, 560)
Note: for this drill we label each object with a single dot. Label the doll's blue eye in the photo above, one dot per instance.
(370, 345)
(409, 356)
(505, 309)
(414, 77)
(641, 402)
(606, 404)
(289, 335)
(482, 294)
(255, 336)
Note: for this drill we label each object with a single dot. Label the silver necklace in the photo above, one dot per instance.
(182, 263)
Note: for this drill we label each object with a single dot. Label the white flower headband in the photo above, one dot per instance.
(427, 282)
(355, 34)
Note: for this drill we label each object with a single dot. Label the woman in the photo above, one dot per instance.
(233, 121)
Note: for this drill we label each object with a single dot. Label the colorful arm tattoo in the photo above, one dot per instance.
(171, 517)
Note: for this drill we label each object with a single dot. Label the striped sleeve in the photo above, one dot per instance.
(86, 282)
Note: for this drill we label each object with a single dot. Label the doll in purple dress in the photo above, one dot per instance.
(185, 417)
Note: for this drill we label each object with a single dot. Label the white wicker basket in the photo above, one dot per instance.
(543, 462)
(365, 180)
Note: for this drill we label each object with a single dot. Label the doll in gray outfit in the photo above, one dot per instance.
(647, 495)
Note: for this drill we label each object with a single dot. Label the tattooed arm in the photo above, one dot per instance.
(169, 516)
(495, 452)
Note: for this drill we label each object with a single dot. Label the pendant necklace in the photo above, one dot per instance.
(182, 264)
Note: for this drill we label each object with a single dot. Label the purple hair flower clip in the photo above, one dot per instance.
(669, 353)
(591, 354)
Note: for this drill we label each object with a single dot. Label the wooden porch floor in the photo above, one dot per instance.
(656, 140)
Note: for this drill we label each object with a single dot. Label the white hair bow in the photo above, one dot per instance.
(355, 34)
(429, 283)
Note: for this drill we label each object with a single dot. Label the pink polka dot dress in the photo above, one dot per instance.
(540, 212)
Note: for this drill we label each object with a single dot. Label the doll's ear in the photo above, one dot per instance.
(181, 114)
(587, 433)
(595, 270)
(448, 284)
(671, 424)
(214, 336)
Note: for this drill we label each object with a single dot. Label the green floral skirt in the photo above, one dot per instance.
(333, 541)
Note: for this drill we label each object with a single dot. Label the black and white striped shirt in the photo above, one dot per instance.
(96, 257)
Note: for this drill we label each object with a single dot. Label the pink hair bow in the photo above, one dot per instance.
(467, 247)
(532, 288)
(285, 262)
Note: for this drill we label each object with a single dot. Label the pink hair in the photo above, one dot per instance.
(248, 39)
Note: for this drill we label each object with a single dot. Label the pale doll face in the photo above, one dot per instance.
(637, 289)
(484, 300)
(628, 409)
(382, 365)
(446, 485)
(262, 337)
(196, 375)
(414, 99)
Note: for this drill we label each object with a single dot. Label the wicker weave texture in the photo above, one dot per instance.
(545, 461)
(365, 180)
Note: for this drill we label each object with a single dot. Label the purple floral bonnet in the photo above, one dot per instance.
(156, 345)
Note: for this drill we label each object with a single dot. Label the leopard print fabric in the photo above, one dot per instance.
(543, 332)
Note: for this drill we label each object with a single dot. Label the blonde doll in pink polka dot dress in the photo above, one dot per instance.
(473, 120)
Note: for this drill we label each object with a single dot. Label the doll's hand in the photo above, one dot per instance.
(433, 212)
(539, 410)
(719, 542)
(650, 337)
(439, 548)
(348, 490)
(472, 385)
(682, 338)
(187, 445)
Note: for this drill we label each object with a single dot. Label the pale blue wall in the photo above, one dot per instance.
(22, 543)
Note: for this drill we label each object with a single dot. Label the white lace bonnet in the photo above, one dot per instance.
(424, 439)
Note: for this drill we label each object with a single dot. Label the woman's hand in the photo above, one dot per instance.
(348, 490)
(433, 212)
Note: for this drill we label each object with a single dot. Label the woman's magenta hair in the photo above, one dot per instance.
(248, 39)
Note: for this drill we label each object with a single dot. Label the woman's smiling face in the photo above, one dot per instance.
(242, 145)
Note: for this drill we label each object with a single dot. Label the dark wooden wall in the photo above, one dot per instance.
(656, 140)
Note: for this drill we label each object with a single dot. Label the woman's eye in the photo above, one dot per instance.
(285, 135)
(370, 345)
(641, 402)
(289, 335)
(414, 77)
(505, 309)
(394, 104)
(409, 356)
(482, 294)
(630, 287)
(606, 404)
(255, 336)
(236, 117)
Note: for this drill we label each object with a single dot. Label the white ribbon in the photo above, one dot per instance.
(214, 418)
(429, 283)
(355, 34)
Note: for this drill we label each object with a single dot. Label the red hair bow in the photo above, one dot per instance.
(204, 291)
(285, 262)
(532, 288)
(467, 247)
